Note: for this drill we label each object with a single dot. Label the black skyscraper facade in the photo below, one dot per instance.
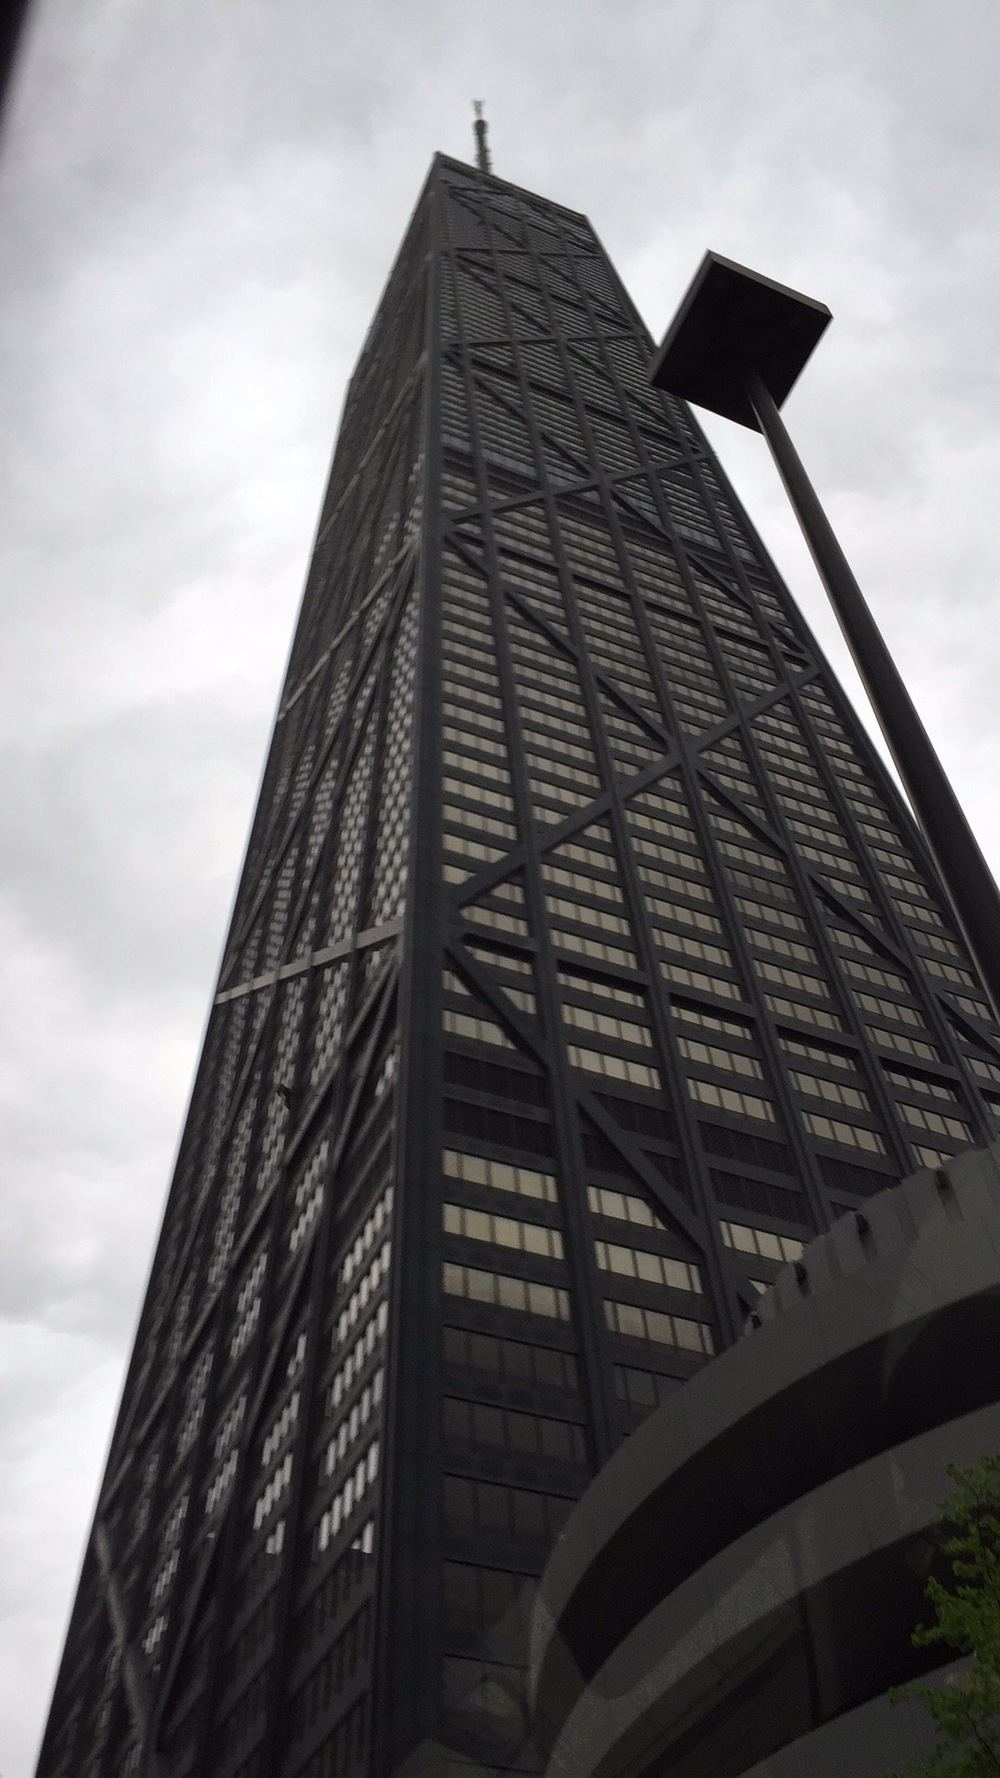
(585, 964)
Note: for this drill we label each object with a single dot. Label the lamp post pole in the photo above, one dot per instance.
(736, 346)
(965, 871)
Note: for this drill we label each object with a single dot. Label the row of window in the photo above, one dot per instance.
(348, 1497)
(463, 846)
(639, 1074)
(474, 1169)
(763, 1243)
(647, 1268)
(712, 1055)
(271, 1494)
(473, 1507)
(355, 1360)
(353, 1425)
(586, 1018)
(510, 1361)
(708, 1092)
(481, 1426)
(475, 1028)
(502, 1231)
(680, 976)
(831, 1129)
(496, 919)
(622, 1207)
(280, 1429)
(634, 1323)
(837, 1092)
(481, 824)
(497, 1290)
(597, 948)
(642, 1390)
(334, 1671)
(374, 1223)
(360, 1297)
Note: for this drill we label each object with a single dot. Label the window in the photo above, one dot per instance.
(504, 830)
(353, 1424)
(712, 1055)
(814, 1052)
(360, 1298)
(474, 1507)
(356, 1359)
(574, 879)
(502, 1231)
(712, 1021)
(634, 1323)
(920, 1083)
(477, 1598)
(947, 972)
(836, 1092)
(906, 1045)
(513, 1360)
(763, 1243)
(921, 1117)
(706, 1092)
(888, 1009)
(476, 1029)
(586, 1018)
(682, 977)
(642, 1391)
(465, 847)
(681, 915)
(622, 1207)
(483, 1426)
(499, 1291)
(876, 978)
(465, 737)
(496, 918)
(638, 1074)
(694, 947)
(792, 978)
(326, 1681)
(647, 1268)
(280, 1429)
(347, 1498)
(620, 993)
(503, 1176)
(596, 948)
(477, 793)
(832, 1129)
(586, 915)
(649, 851)
(783, 947)
(758, 910)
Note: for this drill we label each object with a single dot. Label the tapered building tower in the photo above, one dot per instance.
(585, 963)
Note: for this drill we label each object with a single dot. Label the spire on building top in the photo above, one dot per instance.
(479, 129)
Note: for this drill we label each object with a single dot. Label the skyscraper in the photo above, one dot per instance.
(585, 963)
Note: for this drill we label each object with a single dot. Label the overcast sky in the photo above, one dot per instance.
(199, 202)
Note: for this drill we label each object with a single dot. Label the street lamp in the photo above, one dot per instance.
(736, 346)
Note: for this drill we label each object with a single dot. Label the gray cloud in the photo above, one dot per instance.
(198, 207)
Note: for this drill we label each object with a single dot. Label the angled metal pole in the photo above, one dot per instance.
(13, 14)
(967, 875)
(736, 346)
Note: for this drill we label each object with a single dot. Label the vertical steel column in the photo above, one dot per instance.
(966, 874)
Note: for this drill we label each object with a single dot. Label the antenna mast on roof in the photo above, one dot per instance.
(479, 130)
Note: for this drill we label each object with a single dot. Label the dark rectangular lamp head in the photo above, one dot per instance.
(732, 320)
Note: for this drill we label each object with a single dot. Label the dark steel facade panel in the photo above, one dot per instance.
(585, 963)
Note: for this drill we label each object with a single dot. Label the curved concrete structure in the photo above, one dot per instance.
(736, 1589)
